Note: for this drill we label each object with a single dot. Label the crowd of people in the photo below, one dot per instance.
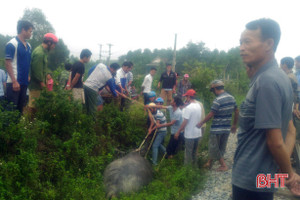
(267, 118)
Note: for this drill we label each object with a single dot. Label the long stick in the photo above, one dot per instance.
(151, 143)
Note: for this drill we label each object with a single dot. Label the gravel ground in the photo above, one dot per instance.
(218, 185)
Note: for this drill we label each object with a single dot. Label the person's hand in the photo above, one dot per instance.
(158, 126)
(293, 184)
(43, 85)
(176, 136)
(233, 129)
(16, 86)
(199, 125)
(296, 113)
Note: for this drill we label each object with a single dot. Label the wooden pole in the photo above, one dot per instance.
(174, 54)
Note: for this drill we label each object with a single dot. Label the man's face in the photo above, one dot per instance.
(252, 49)
(169, 68)
(125, 69)
(27, 34)
(153, 72)
(297, 64)
(86, 59)
(52, 46)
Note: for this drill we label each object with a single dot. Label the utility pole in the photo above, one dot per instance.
(100, 54)
(109, 53)
(174, 54)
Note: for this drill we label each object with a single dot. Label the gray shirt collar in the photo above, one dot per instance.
(271, 63)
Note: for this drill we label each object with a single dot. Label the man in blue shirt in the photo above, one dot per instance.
(17, 63)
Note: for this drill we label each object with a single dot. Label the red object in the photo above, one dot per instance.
(190, 93)
(51, 37)
(50, 84)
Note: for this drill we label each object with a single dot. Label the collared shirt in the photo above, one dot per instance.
(177, 116)
(183, 86)
(168, 81)
(147, 83)
(38, 70)
(222, 107)
(268, 105)
(121, 77)
(20, 57)
(99, 78)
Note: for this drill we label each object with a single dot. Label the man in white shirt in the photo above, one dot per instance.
(147, 83)
(191, 114)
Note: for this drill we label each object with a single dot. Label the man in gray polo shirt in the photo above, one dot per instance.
(265, 116)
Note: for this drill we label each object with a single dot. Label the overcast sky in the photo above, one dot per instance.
(140, 24)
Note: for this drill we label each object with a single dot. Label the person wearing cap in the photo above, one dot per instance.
(191, 116)
(183, 85)
(151, 97)
(76, 84)
(17, 63)
(168, 80)
(221, 111)
(160, 133)
(39, 68)
(147, 84)
(266, 133)
(175, 122)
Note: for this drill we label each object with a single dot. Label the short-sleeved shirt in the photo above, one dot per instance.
(162, 120)
(20, 57)
(2, 80)
(168, 81)
(268, 105)
(121, 77)
(39, 67)
(222, 107)
(147, 83)
(177, 115)
(192, 113)
(78, 67)
(99, 78)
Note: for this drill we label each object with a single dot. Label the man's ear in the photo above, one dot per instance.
(269, 44)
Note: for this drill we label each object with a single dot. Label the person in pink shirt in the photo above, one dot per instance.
(49, 82)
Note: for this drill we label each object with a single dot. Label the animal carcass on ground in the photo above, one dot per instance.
(127, 174)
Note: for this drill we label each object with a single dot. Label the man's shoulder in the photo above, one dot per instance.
(13, 41)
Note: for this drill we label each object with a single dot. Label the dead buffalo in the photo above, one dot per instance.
(127, 174)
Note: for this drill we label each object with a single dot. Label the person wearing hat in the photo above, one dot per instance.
(191, 116)
(183, 85)
(39, 68)
(221, 111)
(160, 133)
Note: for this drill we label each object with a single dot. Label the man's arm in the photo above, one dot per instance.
(9, 69)
(278, 150)
(207, 118)
(166, 124)
(290, 138)
(75, 80)
(182, 126)
(235, 120)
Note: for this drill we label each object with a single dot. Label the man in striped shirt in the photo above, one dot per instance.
(221, 112)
